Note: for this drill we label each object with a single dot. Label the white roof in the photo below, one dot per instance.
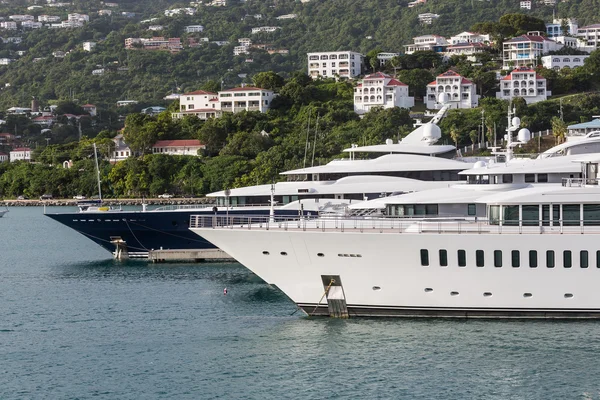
(351, 184)
(546, 194)
(560, 164)
(385, 163)
(454, 194)
(566, 145)
(403, 148)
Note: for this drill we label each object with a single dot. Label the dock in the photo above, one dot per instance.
(157, 256)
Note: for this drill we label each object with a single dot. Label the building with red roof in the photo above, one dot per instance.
(20, 154)
(186, 147)
(459, 91)
(523, 82)
(380, 90)
(524, 50)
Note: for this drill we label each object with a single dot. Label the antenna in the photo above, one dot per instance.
(312, 164)
(306, 144)
(97, 173)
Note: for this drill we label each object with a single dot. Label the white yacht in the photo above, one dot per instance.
(535, 255)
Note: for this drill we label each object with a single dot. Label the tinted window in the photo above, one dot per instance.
(443, 258)
(462, 258)
(497, 258)
(543, 178)
(550, 259)
(567, 261)
(472, 209)
(515, 258)
(424, 257)
(529, 177)
(583, 259)
(533, 261)
(479, 258)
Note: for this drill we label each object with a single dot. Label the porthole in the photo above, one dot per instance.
(453, 293)
(376, 288)
(428, 290)
(487, 294)
(568, 295)
(283, 253)
(266, 253)
(320, 255)
(527, 295)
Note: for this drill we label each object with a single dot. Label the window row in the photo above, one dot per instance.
(531, 259)
(489, 294)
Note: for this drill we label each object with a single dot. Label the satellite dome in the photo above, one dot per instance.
(431, 131)
(516, 122)
(443, 98)
(524, 135)
(389, 141)
(480, 164)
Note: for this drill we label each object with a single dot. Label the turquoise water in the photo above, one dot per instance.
(77, 325)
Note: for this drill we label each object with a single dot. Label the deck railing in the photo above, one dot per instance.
(394, 225)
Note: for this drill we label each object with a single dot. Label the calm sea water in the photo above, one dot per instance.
(77, 325)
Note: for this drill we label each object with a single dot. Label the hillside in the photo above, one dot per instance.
(147, 76)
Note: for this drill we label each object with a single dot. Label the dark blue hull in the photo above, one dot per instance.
(146, 230)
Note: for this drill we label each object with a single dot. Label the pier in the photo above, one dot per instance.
(157, 256)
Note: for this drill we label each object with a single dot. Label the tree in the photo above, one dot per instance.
(140, 133)
(268, 80)
(417, 80)
(559, 129)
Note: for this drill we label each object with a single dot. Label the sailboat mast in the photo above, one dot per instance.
(97, 172)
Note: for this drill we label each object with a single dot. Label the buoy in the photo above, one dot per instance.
(225, 291)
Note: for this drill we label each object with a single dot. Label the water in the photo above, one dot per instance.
(77, 325)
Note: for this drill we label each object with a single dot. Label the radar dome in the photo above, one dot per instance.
(389, 141)
(443, 98)
(431, 131)
(480, 164)
(516, 122)
(524, 135)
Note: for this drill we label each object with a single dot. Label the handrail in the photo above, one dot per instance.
(395, 224)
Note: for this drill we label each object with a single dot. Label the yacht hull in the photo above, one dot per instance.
(381, 274)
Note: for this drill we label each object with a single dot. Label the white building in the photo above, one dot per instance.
(245, 42)
(265, 29)
(198, 99)
(558, 62)
(238, 50)
(8, 25)
(78, 17)
(20, 154)
(194, 28)
(590, 34)
(466, 49)
(106, 13)
(525, 4)
(385, 57)
(3, 157)
(31, 25)
(156, 28)
(554, 29)
(21, 18)
(345, 64)
(48, 18)
(579, 131)
(88, 46)
(287, 16)
(6, 61)
(121, 151)
(428, 18)
(188, 147)
(245, 98)
(416, 3)
(523, 82)
(469, 37)
(524, 50)
(381, 90)
(427, 43)
(175, 11)
(461, 92)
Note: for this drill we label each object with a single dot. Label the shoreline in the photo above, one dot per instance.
(108, 202)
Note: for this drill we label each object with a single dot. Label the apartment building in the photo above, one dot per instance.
(525, 4)
(469, 37)
(265, 29)
(590, 34)
(555, 28)
(20, 154)
(523, 82)
(434, 43)
(194, 28)
(380, 90)
(88, 46)
(8, 25)
(345, 64)
(460, 91)
(48, 18)
(559, 62)
(428, 18)
(31, 25)
(385, 57)
(155, 43)
(206, 105)
(466, 49)
(524, 50)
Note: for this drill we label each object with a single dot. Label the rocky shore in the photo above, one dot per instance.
(108, 202)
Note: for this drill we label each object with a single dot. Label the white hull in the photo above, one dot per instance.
(381, 273)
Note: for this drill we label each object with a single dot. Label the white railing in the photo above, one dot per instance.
(394, 225)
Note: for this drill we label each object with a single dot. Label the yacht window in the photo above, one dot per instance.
(583, 259)
(591, 214)
(507, 178)
(545, 214)
(424, 257)
(533, 259)
(511, 215)
(472, 209)
(598, 259)
(570, 214)
(567, 261)
(550, 258)
(494, 214)
(515, 258)
(479, 258)
(529, 178)
(530, 215)
(444, 258)
(419, 209)
(556, 214)
(497, 258)
(462, 258)
(542, 178)
(431, 209)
